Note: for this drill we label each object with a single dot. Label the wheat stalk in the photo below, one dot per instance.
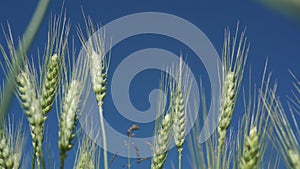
(161, 144)
(72, 101)
(234, 61)
(98, 66)
(178, 107)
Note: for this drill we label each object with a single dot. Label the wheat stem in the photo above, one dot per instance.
(98, 67)
(98, 71)
(179, 158)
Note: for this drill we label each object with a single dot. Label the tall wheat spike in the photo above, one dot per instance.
(68, 118)
(59, 28)
(27, 89)
(98, 66)
(161, 144)
(72, 101)
(233, 60)
(180, 92)
(50, 84)
(252, 141)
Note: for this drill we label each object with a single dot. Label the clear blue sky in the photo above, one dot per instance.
(271, 34)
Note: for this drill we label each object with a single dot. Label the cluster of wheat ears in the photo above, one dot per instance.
(59, 78)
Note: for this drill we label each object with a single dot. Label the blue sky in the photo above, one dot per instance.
(271, 34)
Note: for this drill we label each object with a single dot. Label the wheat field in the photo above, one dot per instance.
(262, 133)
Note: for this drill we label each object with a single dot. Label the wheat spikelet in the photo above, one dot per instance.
(178, 108)
(26, 91)
(226, 108)
(98, 76)
(252, 132)
(179, 119)
(251, 150)
(161, 144)
(72, 97)
(33, 110)
(233, 61)
(68, 117)
(98, 61)
(98, 66)
(6, 153)
(180, 92)
(50, 84)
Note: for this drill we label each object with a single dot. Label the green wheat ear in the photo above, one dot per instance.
(180, 92)
(161, 144)
(32, 108)
(227, 108)
(233, 60)
(50, 84)
(251, 150)
(11, 147)
(68, 118)
(72, 100)
(98, 68)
